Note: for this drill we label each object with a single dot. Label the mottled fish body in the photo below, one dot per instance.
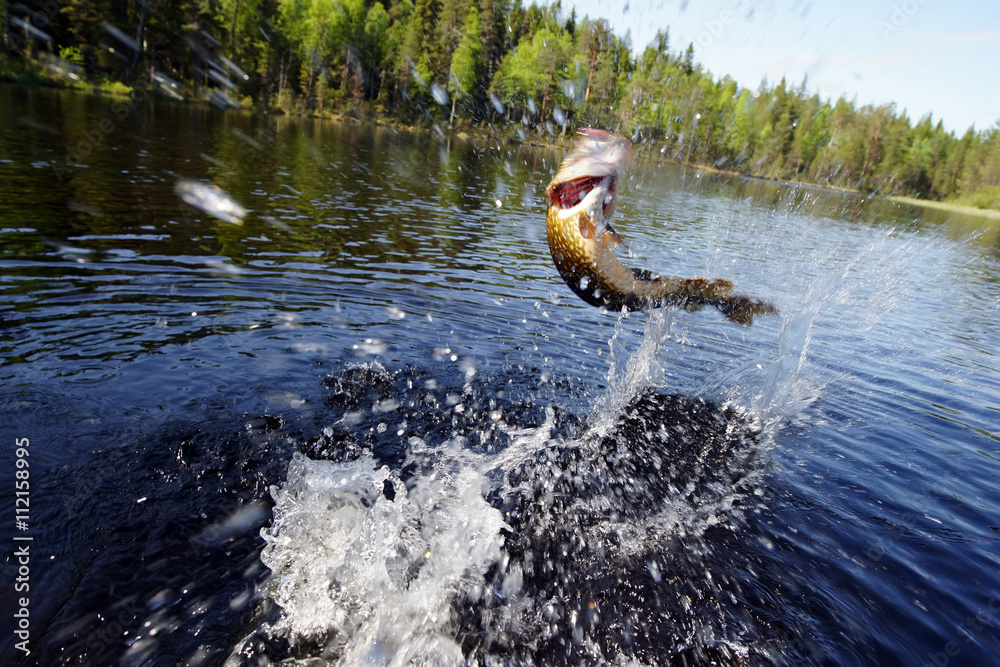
(582, 198)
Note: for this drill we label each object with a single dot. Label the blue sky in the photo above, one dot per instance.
(927, 56)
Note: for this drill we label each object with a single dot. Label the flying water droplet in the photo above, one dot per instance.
(32, 30)
(115, 32)
(221, 100)
(221, 78)
(60, 67)
(370, 346)
(211, 199)
(234, 68)
(439, 93)
(497, 104)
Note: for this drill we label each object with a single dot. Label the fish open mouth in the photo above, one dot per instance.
(568, 194)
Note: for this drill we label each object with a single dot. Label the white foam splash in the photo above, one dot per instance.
(372, 579)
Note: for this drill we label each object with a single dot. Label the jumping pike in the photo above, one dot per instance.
(581, 202)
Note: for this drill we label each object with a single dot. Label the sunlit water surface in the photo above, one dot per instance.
(372, 426)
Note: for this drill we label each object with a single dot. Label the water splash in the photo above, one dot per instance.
(858, 284)
(631, 373)
(367, 570)
(495, 536)
(570, 538)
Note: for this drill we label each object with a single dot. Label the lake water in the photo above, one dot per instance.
(372, 426)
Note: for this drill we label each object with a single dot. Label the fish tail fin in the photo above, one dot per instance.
(741, 309)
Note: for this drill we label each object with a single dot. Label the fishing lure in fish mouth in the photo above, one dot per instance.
(582, 198)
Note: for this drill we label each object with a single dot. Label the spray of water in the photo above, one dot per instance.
(367, 570)
(567, 540)
(496, 553)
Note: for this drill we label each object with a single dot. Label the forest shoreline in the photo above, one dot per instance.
(477, 132)
(533, 69)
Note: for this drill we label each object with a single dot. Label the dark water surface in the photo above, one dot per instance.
(372, 426)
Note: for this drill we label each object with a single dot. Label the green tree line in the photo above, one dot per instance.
(534, 71)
